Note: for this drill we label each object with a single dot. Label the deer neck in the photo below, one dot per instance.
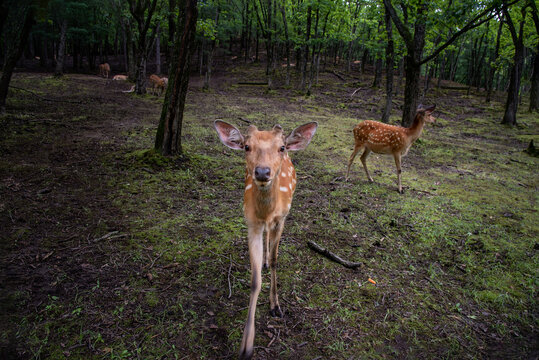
(414, 131)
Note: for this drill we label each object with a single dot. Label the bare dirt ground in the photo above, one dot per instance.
(111, 251)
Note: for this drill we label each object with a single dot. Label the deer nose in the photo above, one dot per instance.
(262, 173)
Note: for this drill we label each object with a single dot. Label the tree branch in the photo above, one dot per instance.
(332, 256)
(404, 31)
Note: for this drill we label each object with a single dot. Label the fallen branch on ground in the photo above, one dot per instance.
(252, 83)
(337, 74)
(332, 256)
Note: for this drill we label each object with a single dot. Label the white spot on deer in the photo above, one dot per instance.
(289, 206)
(283, 188)
(248, 187)
(283, 174)
(290, 186)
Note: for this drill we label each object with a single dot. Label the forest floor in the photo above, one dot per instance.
(109, 251)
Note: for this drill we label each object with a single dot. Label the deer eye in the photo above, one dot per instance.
(282, 149)
(247, 148)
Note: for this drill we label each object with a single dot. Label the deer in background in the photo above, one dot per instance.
(270, 181)
(119, 78)
(157, 85)
(388, 139)
(104, 70)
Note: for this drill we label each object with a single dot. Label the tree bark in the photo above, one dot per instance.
(24, 11)
(157, 51)
(209, 60)
(287, 46)
(142, 11)
(492, 69)
(305, 58)
(390, 53)
(534, 91)
(168, 137)
(511, 104)
(59, 71)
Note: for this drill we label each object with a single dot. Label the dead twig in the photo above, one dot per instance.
(244, 120)
(332, 256)
(337, 75)
(229, 283)
(252, 83)
(274, 337)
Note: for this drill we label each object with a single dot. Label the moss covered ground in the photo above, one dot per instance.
(111, 251)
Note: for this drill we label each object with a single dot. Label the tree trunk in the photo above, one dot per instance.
(287, 46)
(511, 104)
(364, 59)
(401, 76)
(13, 53)
(157, 51)
(492, 69)
(377, 72)
(59, 71)
(209, 60)
(390, 53)
(43, 60)
(305, 58)
(168, 137)
(534, 91)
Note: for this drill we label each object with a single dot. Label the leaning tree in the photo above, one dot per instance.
(169, 132)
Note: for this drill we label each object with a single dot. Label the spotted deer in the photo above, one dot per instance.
(388, 139)
(270, 182)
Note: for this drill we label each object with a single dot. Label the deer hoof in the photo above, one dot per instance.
(276, 312)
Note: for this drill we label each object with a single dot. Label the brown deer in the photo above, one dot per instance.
(270, 181)
(119, 78)
(104, 70)
(157, 85)
(388, 139)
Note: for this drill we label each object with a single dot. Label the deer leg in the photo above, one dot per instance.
(275, 232)
(364, 161)
(351, 160)
(266, 250)
(398, 164)
(256, 256)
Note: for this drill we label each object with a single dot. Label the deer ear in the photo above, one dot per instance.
(301, 136)
(229, 135)
(430, 108)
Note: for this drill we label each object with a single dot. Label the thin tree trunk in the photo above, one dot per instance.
(401, 76)
(287, 46)
(157, 51)
(511, 105)
(492, 69)
(59, 71)
(209, 60)
(14, 52)
(168, 137)
(306, 50)
(534, 91)
(390, 53)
